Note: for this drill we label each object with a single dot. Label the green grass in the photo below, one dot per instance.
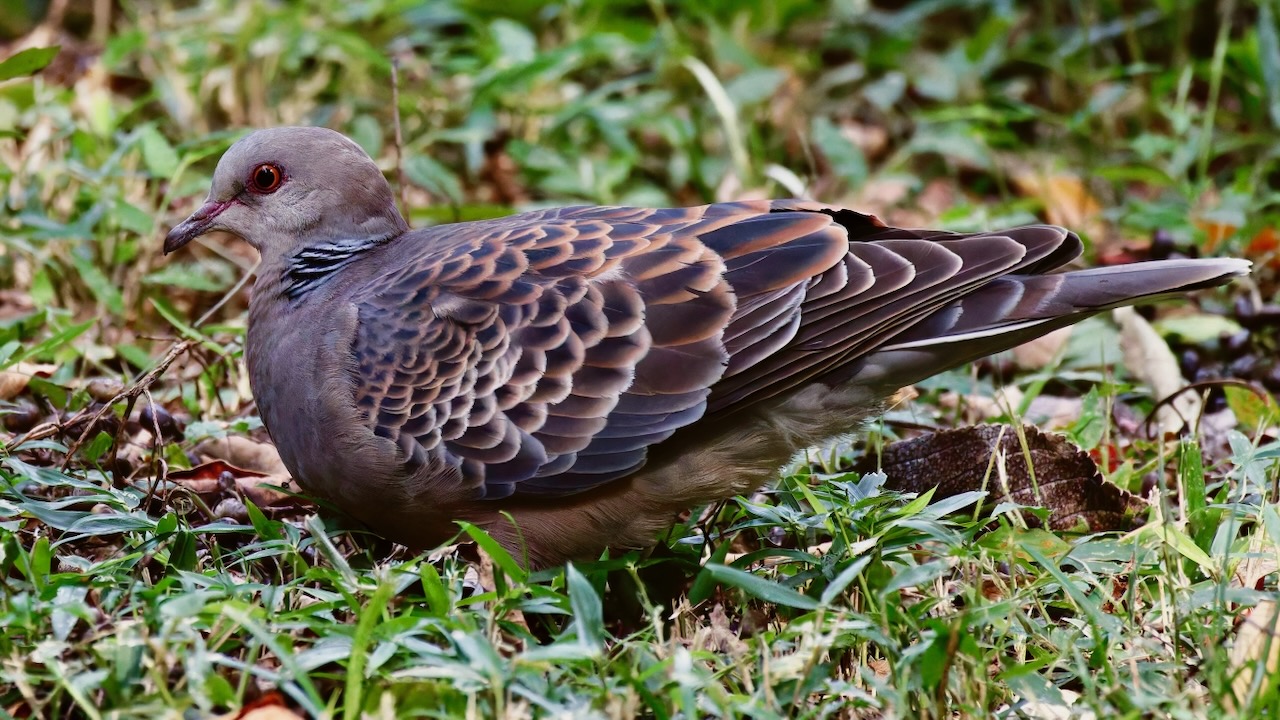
(123, 595)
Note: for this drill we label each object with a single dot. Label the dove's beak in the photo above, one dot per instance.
(200, 222)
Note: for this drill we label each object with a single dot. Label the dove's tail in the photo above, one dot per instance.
(1014, 309)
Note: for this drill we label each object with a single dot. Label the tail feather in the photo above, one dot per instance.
(1014, 309)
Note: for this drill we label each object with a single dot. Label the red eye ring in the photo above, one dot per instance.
(266, 178)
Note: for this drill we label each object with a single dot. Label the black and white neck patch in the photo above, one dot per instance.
(311, 266)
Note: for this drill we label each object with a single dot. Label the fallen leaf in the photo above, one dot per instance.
(873, 140)
(14, 380)
(718, 635)
(268, 707)
(1149, 358)
(212, 480)
(270, 713)
(1053, 412)
(938, 196)
(992, 458)
(978, 407)
(212, 470)
(1262, 248)
(15, 303)
(1255, 409)
(1038, 353)
(1259, 562)
(880, 667)
(500, 173)
(104, 389)
(245, 453)
(1070, 708)
(880, 194)
(1256, 650)
(1214, 232)
(1065, 198)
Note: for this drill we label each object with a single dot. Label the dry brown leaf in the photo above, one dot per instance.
(268, 707)
(1259, 562)
(15, 303)
(1215, 233)
(1053, 412)
(880, 194)
(938, 196)
(718, 635)
(978, 408)
(207, 481)
(12, 384)
(1066, 200)
(1263, 247)
(993, 458)
(271, 712)
(880, 667)
(500, 174)
(872, 140)
(487, 580)
(1038, 353)
(1149, 358)
(244, 453)
(1257, 648)
(14, 380)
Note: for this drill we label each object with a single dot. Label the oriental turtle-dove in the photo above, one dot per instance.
(593, 371)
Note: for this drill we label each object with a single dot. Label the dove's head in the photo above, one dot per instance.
(285, 188)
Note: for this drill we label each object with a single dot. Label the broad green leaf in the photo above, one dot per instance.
(133, 218)
(102, 287)
(1196, 329)
(499, 554)
(54, 342)
(705, 583)
(1269, 57)
(1191, 472)
(428, 174)
(760, 588)
(159, 156)
(186, 275)
(842, 581)
(1185, 546)
(434, 589)
(1011, 542)
(845, 157)
(1254, 409)
(588, 618)
(918, 575)
(27, 62)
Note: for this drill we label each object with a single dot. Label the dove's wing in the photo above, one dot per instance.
(547, 353)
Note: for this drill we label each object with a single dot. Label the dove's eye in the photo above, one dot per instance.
(265, 178)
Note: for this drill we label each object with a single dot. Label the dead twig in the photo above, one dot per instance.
(1197, 386)
(159, 468)
(129, 394)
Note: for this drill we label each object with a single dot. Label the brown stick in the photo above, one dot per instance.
(130, 393)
